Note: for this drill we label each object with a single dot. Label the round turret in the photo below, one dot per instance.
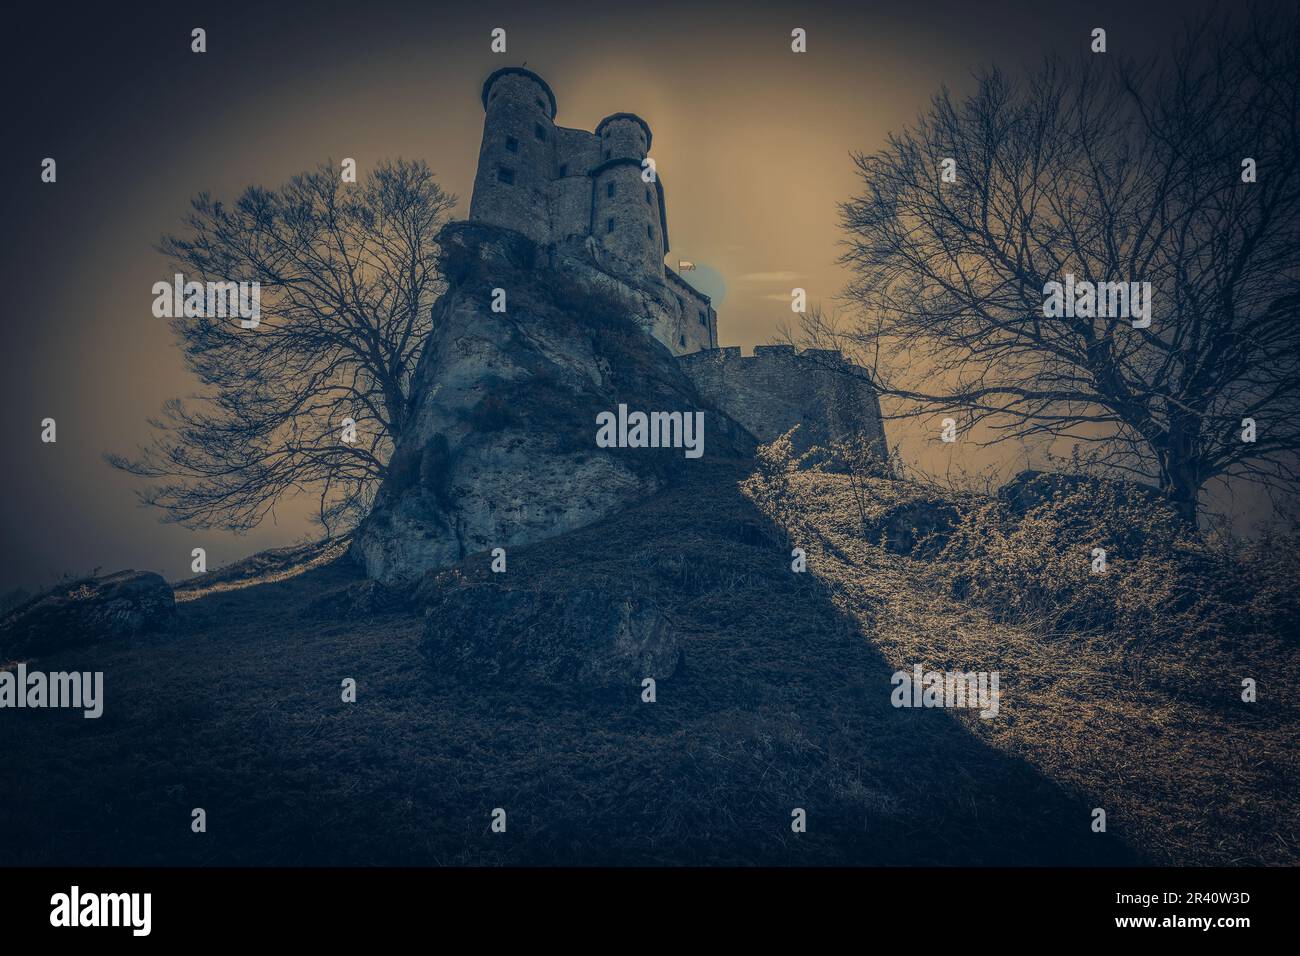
(517, 153)
(627, 211)
(623, 136)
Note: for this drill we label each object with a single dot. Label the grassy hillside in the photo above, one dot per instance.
(784, 702)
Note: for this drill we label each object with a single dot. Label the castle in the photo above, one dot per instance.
(585, 196)
(584, 193)
(501, 446)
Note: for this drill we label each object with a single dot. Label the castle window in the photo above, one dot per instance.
(512, 144)
(506, 176)
(704, 318)
(609, 225)
(539, 132)
(649, 233)
(609, 190)
(541, 106)
(681, 340)
(647, 197)
(564, 169)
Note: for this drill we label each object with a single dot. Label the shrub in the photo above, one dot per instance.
(1159, 584)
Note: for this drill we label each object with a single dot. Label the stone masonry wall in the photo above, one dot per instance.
(777, 388)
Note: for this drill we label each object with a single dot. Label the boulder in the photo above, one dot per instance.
(919, 528)
(87, 611)
(588, 639)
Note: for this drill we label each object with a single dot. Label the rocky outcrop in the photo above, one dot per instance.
(500, 445)
(86, 611)
(586, 638)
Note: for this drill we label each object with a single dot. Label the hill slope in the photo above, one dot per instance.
(783, 703)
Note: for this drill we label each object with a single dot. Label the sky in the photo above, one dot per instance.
(753, 144)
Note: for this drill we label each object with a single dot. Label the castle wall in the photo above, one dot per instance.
(570, 208)
(577, 152)
(698, 319)
(777, 388)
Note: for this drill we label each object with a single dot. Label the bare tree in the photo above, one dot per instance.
(348, 276)
(1112, 172)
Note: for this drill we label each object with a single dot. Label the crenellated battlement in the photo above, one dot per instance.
(779, 387)
(762, 353)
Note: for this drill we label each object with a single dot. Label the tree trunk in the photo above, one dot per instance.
(1181, 477)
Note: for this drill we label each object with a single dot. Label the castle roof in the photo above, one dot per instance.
(519, 71)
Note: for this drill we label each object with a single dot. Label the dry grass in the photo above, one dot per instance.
(265, 567)
(1158, 733)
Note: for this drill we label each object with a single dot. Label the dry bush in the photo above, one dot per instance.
(1161, 583)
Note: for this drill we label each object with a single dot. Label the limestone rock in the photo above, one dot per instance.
(499, 448)
(588, 638)
(86, 611)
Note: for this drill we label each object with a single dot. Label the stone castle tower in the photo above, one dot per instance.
(587, 194)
